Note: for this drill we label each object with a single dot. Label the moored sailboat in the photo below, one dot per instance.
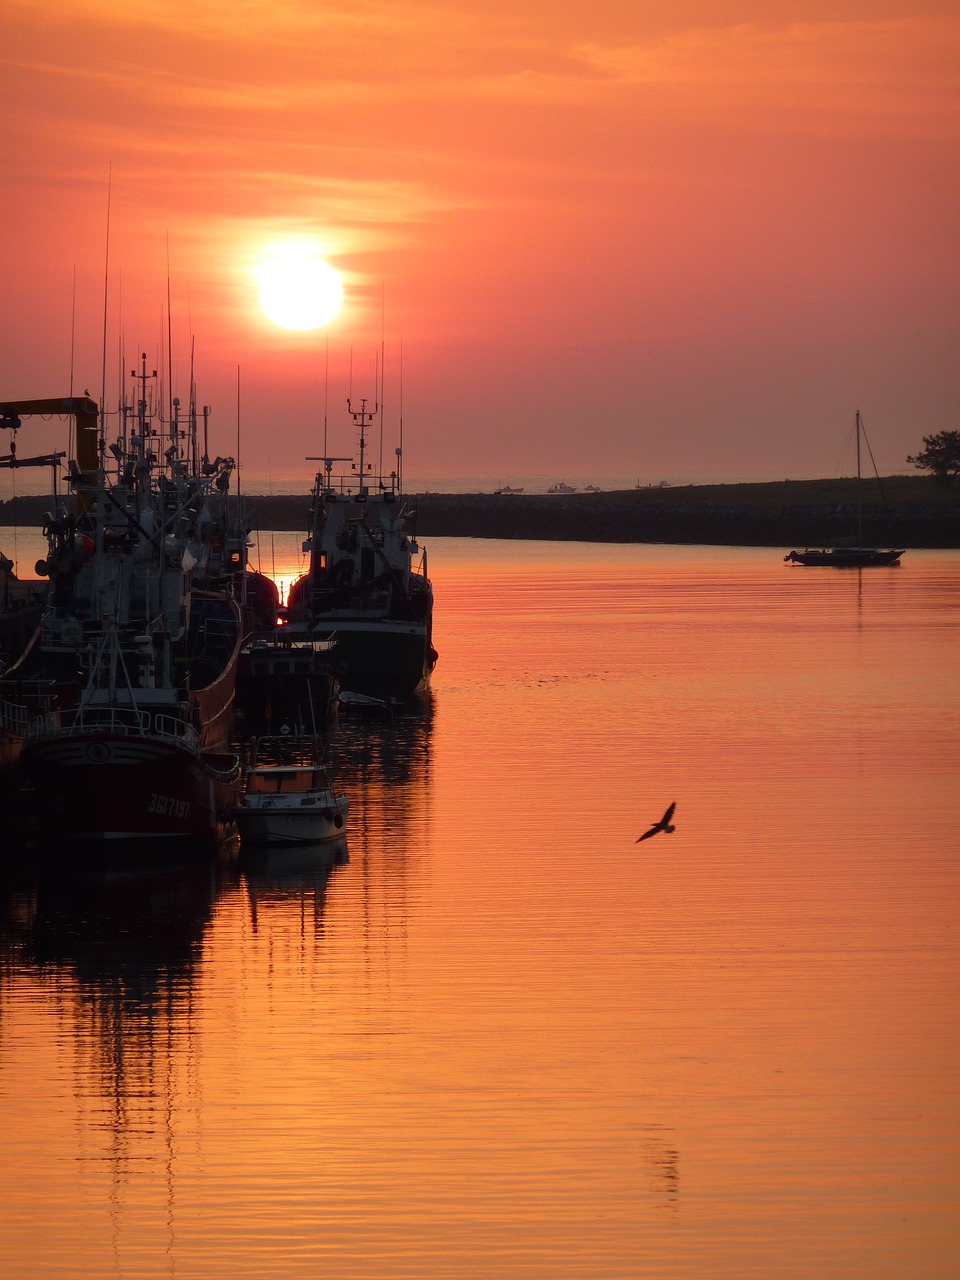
(856, 555)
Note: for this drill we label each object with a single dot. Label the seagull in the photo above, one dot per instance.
(662, 825)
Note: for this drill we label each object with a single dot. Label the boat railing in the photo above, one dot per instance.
(228, 774)
(119, 721)
(372, 602)
(61, 628)
(13, 717)
(43, 725)
(326, 600)
(351, 486)
(292, 750)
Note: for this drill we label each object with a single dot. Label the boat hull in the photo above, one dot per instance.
(283, 683)
(846, 557)
(218, 625)
(383, 658)
(135, 790)
(317, 823)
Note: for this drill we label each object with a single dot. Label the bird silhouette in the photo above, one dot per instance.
(662, 825)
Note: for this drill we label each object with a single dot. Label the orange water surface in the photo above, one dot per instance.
(495, 1037)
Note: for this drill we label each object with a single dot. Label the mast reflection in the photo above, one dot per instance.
(383, 765)
(120, 947)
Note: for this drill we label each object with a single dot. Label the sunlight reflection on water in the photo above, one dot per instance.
(499, 1038)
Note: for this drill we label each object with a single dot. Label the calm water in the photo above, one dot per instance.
(501, 1039)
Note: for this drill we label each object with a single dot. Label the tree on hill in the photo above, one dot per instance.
(941, 455)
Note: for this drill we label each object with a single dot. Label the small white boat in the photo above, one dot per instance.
(351, 701)
(287, 798)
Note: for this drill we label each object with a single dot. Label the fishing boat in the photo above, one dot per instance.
(855, 556)
(279, 677)
(143, 757)
(287, 798)
(123, 698)
(562, 487)
(366, 586)
(128, 767)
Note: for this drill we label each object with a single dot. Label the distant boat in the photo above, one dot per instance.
(845, 557)
(507, 489)
(849, 557)
(287, 798)
(562, 487)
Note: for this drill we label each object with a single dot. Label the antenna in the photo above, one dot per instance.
(238, 438)
(378, 409)
(106, 278)
(169, 336)
(326, 390)
(122, 355)
(73, 326)
(382, 376)
(361, 417)
(192, 398)
(400, 445)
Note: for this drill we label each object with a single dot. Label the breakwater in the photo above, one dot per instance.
(915, 511)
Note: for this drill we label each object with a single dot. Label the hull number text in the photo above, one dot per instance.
(168, 806)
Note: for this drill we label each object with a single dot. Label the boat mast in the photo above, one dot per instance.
(859, 503)
(361, 417)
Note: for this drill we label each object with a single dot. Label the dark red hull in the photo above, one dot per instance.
(214, 676)
(142, 790)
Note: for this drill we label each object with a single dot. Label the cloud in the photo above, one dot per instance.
(843, 70)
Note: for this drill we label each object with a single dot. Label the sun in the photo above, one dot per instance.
(297, 289)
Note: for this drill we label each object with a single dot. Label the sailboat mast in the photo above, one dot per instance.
(859, 504)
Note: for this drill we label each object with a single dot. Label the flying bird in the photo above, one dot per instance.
(662, 825)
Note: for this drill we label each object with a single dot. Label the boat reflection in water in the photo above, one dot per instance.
(138, 921)
(383, 765)
(119, 951)
(274, 875)
(169, 1006)
(499, 1041)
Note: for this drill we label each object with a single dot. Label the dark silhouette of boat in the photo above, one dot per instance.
(366, 587)
(845, 557)
(854, 556)
(118, 713)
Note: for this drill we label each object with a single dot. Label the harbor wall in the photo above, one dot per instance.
(918, 512)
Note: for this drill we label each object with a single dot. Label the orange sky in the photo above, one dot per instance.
(612, 239)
